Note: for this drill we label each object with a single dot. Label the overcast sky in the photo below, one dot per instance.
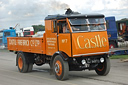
(33, 12)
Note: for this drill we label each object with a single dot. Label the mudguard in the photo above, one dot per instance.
(62, 54)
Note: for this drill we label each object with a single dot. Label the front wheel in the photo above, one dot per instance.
(103, 68)
(61, 68)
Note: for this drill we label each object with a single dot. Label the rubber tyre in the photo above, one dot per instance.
(30, 67)
(63, 75)
(22, 64)
(103, 68)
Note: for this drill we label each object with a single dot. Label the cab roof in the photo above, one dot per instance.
(64, 16)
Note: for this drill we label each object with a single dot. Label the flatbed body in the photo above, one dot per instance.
(27, 44)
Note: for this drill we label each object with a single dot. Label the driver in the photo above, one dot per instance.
(65, 28)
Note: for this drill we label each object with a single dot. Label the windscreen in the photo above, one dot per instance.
(90, 24)
(6, 34)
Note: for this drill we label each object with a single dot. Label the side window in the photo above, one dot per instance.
(54, 26)
(7, 34)
(63, 28)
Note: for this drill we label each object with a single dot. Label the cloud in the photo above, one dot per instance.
(98, 5)
(29, 12)
(117, 8)
(9, 13)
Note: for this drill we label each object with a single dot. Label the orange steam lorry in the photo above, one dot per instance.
(83, 45)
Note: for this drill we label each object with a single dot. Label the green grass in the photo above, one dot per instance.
(119, 57)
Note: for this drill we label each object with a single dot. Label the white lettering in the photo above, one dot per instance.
(12, 41)
(32, 42)
(37, 43)
(19, 42)
(25, 42)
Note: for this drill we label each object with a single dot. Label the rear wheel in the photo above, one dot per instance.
(30, 66)
(61, 68)
(103, 68)
(22, 64)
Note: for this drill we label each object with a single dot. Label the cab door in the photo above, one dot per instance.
(64, 39)
(51, 37)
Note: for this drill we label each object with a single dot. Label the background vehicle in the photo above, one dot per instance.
(75, 50)
(117, 35)
(122, 27)
(28, 31)
(19, 33)
(4, 34)
(112, 32)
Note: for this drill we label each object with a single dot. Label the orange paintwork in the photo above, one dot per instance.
(58, 70)
(20, 63)
(51, 38)
(65, 43)
(73, 44)
(68, 24)
(90, 43)
(26, 44)
(123, 29)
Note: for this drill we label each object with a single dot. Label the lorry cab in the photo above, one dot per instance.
(4, 34)
(112, 31)
(85, 35)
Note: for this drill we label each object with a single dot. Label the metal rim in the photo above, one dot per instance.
(20, 63)
(58, 68)
(101, 67)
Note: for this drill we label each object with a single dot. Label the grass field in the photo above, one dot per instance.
(119, 57)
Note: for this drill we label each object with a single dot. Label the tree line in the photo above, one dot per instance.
(38, 28)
